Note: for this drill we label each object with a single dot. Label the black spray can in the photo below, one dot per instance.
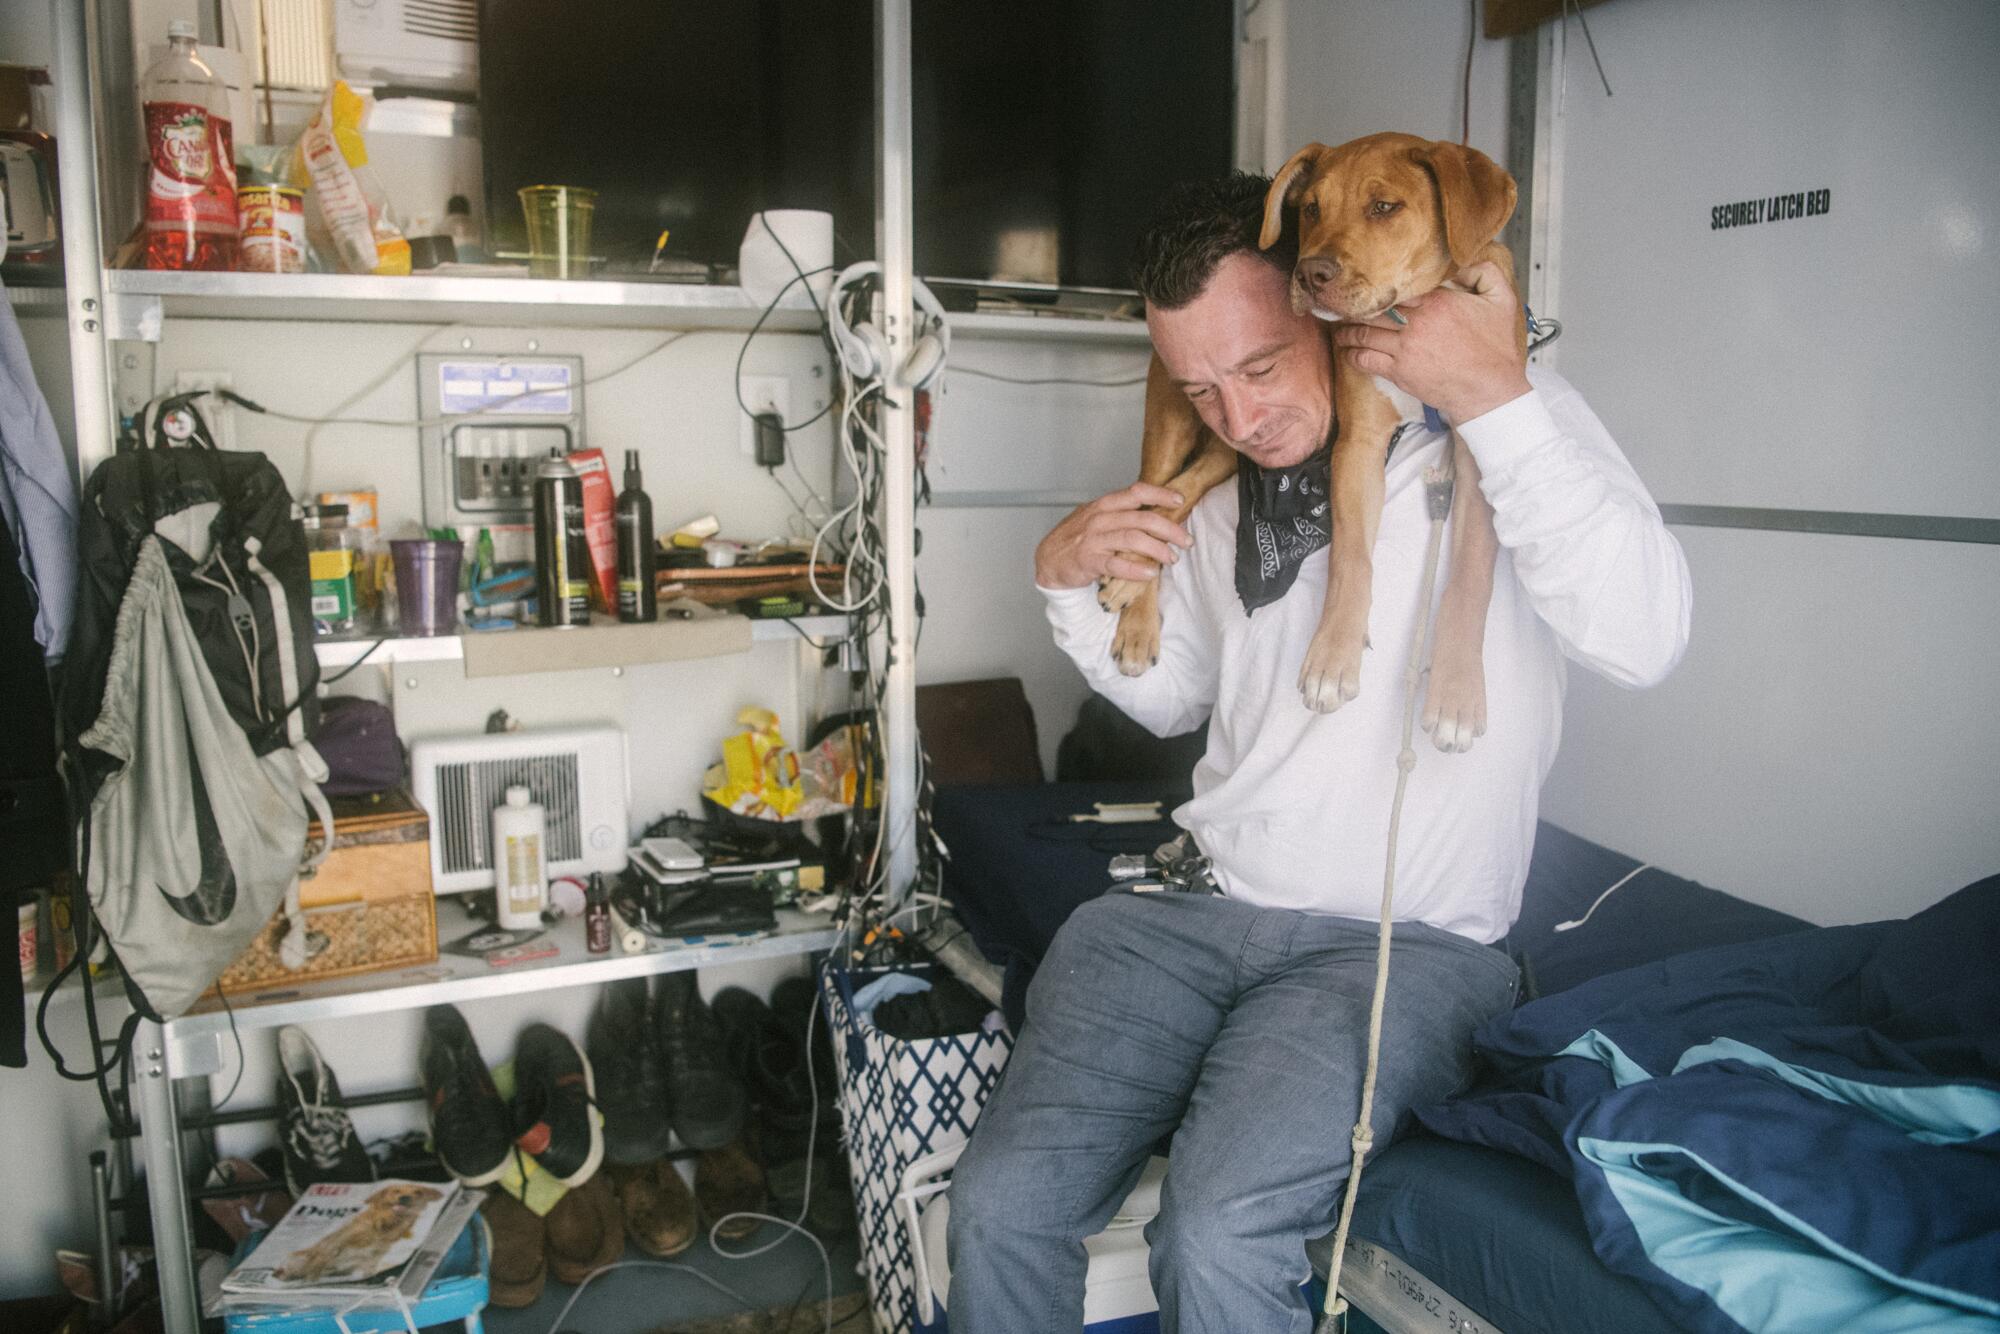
(638, 595)
(562, 553)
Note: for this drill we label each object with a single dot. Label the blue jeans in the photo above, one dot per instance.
(1242, 1030)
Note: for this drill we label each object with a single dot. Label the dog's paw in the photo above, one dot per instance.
(1455, 699)
(1136, 646)
(1332, 672)
(1118, 594)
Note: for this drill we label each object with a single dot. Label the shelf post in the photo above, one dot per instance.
(894, 247)
(82, 236)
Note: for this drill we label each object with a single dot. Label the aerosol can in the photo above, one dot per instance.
(562, 552)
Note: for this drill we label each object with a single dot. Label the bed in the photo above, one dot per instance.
(1449, 1236)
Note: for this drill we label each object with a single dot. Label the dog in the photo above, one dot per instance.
(355, 1249)
(1381, 219)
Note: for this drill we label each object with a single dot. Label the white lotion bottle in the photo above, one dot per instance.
(520, 870)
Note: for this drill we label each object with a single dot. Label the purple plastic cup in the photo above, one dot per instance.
(426, 585)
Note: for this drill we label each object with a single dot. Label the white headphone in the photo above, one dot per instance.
(861, 347)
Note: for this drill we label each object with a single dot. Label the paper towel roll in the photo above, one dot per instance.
(762, 263)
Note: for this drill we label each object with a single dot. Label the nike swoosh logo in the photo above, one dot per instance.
(214, 894)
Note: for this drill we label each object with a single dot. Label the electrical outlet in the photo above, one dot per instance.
(218, 412)
(761, 393)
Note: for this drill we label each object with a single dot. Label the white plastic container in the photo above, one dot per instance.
(520, 862)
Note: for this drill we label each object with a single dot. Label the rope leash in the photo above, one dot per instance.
(1437, 500)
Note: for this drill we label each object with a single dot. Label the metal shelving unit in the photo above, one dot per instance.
(101, 306)
(456, 980)
(334, 654)
(138, 301)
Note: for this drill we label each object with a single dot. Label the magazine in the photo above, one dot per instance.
(370, 1241)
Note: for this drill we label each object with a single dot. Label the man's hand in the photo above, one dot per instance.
(1085, 546)
(1457, 353)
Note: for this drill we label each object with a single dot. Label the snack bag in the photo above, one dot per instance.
(759, 773)
(346, 211)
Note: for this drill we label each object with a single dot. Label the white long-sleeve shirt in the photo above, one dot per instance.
(1293, 806)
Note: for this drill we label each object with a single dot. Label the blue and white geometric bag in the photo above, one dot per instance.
(899, 1102)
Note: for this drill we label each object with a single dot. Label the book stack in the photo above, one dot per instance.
(352, 1247)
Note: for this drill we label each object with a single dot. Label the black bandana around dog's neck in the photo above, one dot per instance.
(1283, 516)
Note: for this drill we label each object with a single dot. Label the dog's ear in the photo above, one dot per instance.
(1475, 196)
(1285, 189)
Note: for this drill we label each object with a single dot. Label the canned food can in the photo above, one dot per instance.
(272, 219)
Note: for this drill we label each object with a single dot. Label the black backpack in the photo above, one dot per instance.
(123, 500)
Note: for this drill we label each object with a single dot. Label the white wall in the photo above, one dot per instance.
(1824, 746)
(1346, 68)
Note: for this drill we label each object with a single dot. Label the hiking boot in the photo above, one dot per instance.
(728, 1181)
(585, 1232)
(318, 1138)
(631, 1076)
(519, 1265)
(796, 1003)
(469, 1122)
(557, 1122)
(770, 1060)
(658, 1207)
(706, 1098)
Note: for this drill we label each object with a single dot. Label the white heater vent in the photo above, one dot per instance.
(577, 777)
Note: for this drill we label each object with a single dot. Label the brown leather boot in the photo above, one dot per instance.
(519, 1264)
(586, 1231)
(658, 1207)
(726, 1181)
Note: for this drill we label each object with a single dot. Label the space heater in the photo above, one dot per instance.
(577, 775)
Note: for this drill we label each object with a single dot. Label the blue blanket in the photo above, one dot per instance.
(1800, 1133)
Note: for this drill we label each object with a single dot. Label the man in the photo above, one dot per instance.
(1237, 1020)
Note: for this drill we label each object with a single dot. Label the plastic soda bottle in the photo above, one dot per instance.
(191, 167)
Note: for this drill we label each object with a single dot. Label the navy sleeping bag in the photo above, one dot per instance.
(1800, 1133)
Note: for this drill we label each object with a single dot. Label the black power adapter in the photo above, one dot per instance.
(770, 444)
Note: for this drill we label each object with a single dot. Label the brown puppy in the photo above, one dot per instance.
(356, 1248)
(1381, 219)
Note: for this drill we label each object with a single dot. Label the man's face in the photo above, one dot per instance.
(1259, 375)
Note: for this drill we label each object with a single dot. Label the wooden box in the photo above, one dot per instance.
(370, 902)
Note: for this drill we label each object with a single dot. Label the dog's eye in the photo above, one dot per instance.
(1310, 211)
(1382, 208)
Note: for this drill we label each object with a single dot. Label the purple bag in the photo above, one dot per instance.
(357, 739)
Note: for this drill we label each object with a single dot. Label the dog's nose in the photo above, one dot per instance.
(1317, 271)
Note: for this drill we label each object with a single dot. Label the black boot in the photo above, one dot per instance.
(770, 1059)
(705, 1096)
(631, 1076)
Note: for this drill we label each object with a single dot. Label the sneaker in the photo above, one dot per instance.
(314, 1129)
(555, 1106)
(469, 1122)
(631, 1077)
(706, 1098)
